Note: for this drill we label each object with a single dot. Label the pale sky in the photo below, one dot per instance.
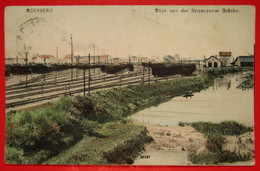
(136, 30)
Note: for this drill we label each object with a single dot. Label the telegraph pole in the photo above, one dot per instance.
(149, 72)
(89, 74)
(143, 74)
(98, 56)
(57, 54)
(84, 76)
(71, 50)
(26, 58)
(94, 53)
(71, 57)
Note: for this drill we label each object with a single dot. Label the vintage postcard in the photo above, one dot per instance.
(130, 85)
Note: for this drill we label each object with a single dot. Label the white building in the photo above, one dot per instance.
(213, 62)
(226, 58)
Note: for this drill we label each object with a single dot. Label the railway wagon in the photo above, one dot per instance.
(112, 69)
(162, 70)
(22, 69)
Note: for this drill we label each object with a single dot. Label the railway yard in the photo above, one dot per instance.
(34, 89)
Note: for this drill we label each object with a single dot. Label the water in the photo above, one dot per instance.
(223, 101)
(169, 158)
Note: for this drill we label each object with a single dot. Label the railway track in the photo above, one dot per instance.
(55, 86)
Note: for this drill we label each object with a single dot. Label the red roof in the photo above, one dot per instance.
(67, 56)
(46, 56)
(225, 54)
(104, 56)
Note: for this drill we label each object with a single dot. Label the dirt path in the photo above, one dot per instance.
(175, 138)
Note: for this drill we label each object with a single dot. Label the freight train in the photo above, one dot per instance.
(162, 70)
(112, 69)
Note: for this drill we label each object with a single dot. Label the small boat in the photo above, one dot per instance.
(188, 94)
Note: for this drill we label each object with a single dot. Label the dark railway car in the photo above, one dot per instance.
(162, 70)
(23, 69)
(112, 69)
(84, 66)
(130, 67)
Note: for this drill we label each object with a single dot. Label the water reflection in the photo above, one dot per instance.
(223, 101)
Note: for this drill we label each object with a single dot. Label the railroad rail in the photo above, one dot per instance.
(57, 85)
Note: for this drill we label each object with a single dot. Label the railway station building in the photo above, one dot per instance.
(213, 62)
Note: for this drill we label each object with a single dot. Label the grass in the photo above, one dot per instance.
(223, 128)
(33, 137)
(215, 133)
(120, 144)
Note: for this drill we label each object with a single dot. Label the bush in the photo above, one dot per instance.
(224, 128)
(13, 155)
(215, 140)
(248, 83)
(230, 157)
(206, 158)
(47, 129)
(214, 158)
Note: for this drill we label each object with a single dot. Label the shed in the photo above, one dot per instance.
(245, 61)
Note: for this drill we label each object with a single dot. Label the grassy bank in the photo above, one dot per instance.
(215, 134)
(33, 137)
(119, 144)
(78, 130)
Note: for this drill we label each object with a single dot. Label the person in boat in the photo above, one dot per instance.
(188, 94)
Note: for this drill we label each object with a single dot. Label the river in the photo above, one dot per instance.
(223, 101)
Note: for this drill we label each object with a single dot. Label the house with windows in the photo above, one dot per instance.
(213, 62)
(226, 58)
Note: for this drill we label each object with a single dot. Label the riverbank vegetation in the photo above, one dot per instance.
(216, 134)
(248, 83)
(33, 137)
(92, 129)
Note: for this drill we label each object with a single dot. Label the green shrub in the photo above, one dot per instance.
(44, 132)
(13, 155)
(214, 158)
(215, 142)
(224, 128)
(248, 83)
(206, 158)
(230, 157)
